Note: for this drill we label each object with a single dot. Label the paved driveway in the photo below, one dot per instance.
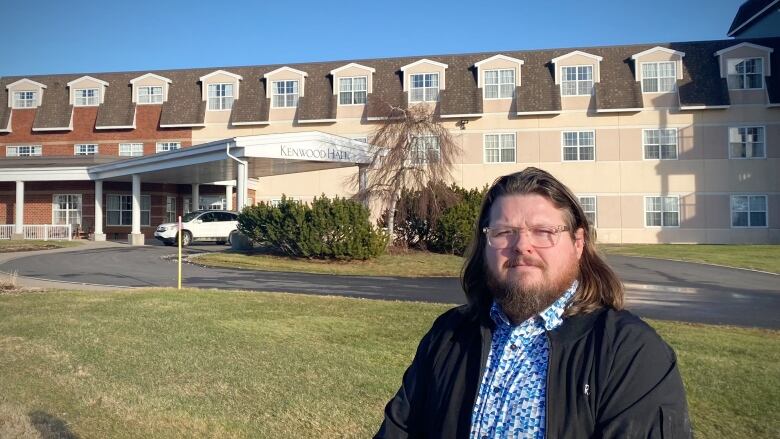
(656, 288)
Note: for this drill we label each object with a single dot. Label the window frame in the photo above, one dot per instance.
(150, 95)
(77, 146)
(425, 90)
(733, 62)
(55, 208)
(168, 211)
(352, 92)
(85, 101)
(660, 145)
(160, 147)
(577, 81)
(498, 84)
(578, 146)
(33, 101)
(747, 156)
(225, 101)
(132, 153)
(415, 153)
(35, 151)
(275, 94)
(594, 223)
(658, 77)
(500, 148)
(749, 211)
(129, 211)
(662, 211)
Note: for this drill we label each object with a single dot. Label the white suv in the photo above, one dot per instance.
(201, 225)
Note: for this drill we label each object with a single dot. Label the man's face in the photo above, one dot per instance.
(525, 279)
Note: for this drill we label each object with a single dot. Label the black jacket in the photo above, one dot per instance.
(609, 375)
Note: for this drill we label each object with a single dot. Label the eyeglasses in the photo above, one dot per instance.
(538, 236)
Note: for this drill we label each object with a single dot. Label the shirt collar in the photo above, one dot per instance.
(552, 316)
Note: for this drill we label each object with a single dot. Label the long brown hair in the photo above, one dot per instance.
(599, 286)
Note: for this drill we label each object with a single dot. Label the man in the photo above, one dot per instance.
(542, 349)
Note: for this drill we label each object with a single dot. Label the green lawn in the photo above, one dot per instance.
(162, 363)
(407, 264)
(7, 246)
(757, 257)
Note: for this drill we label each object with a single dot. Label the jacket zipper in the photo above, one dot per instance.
(547, 388)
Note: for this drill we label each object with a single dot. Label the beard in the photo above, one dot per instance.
(519, 300)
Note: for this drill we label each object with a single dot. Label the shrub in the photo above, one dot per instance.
(454, 229)
(327, 229)
(417, 213)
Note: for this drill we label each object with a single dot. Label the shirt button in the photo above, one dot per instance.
(513, 347)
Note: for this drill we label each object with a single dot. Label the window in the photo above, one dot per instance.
(424, 87)
(499, 84)
(23, 151)
(425, 149)
(285, 94)
(212, 202)
(220, 97)
(25, 99)
(660, 144)
(150, 95)
(85, 149)
(168, 146)
(577, 81)
(748, 211)
(170, 209)
(662, 211)
(746, 73)
(352, 90)
(85, 97)
(746, 143)
(361, 139)
(119, 210)
(499, 148)
(578, 145)
(66, 209)
(659, 77)
(588, 204)
(131, 149)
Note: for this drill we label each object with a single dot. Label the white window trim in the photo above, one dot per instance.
(76, 149)
(577, 81)
(159, 149)
(761, 75)
(138, 94)
(274, 93)
(131, 144)
(728, 142)
(677, 144)
(658, 78)
(563, 146)
(352, 78)
(595, 207)
(499, 134)
(731, 211)
(96, 97)
(35, 101)
(39, 149)
(484, 84)
(168, 199)
(232, 96)
(438, 87)
(644, 212)
(120, 210)
(54, 208)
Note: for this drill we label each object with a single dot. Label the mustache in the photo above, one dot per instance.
(524, 260)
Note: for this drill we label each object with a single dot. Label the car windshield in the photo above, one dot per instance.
(190, 216)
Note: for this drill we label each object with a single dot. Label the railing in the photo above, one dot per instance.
(43, 232)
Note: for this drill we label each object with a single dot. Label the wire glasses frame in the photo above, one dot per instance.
(538, 236)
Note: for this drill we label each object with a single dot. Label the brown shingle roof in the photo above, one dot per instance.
(185, 105)
(251, 105)
(118, 109)
(55, 110)
(5, 110)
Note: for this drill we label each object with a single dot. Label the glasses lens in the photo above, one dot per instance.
(539, 236)
(543, 236)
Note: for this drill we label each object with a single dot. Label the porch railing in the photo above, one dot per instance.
(45, 232)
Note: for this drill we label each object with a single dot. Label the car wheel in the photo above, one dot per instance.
(186, 238)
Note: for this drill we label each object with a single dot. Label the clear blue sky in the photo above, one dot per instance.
(75, 36)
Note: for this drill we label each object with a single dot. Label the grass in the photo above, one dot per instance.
(756, 257)
(162, 363)
(406, 264)
(7, 246)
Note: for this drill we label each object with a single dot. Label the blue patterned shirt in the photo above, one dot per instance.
(511, 398)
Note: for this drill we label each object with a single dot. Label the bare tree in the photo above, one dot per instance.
(415, 151)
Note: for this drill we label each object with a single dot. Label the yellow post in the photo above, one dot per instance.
(179, 259)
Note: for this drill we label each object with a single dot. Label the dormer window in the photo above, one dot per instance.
(220, 97)
(577, 81)
(285, 94)
(499, 84)
(424, 87)
(25, 99)
(659, 77)
(150, 95)
(746, 73)
(352, 91)
(86, 97)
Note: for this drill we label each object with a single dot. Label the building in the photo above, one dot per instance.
(673, 142)
(756, 18)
